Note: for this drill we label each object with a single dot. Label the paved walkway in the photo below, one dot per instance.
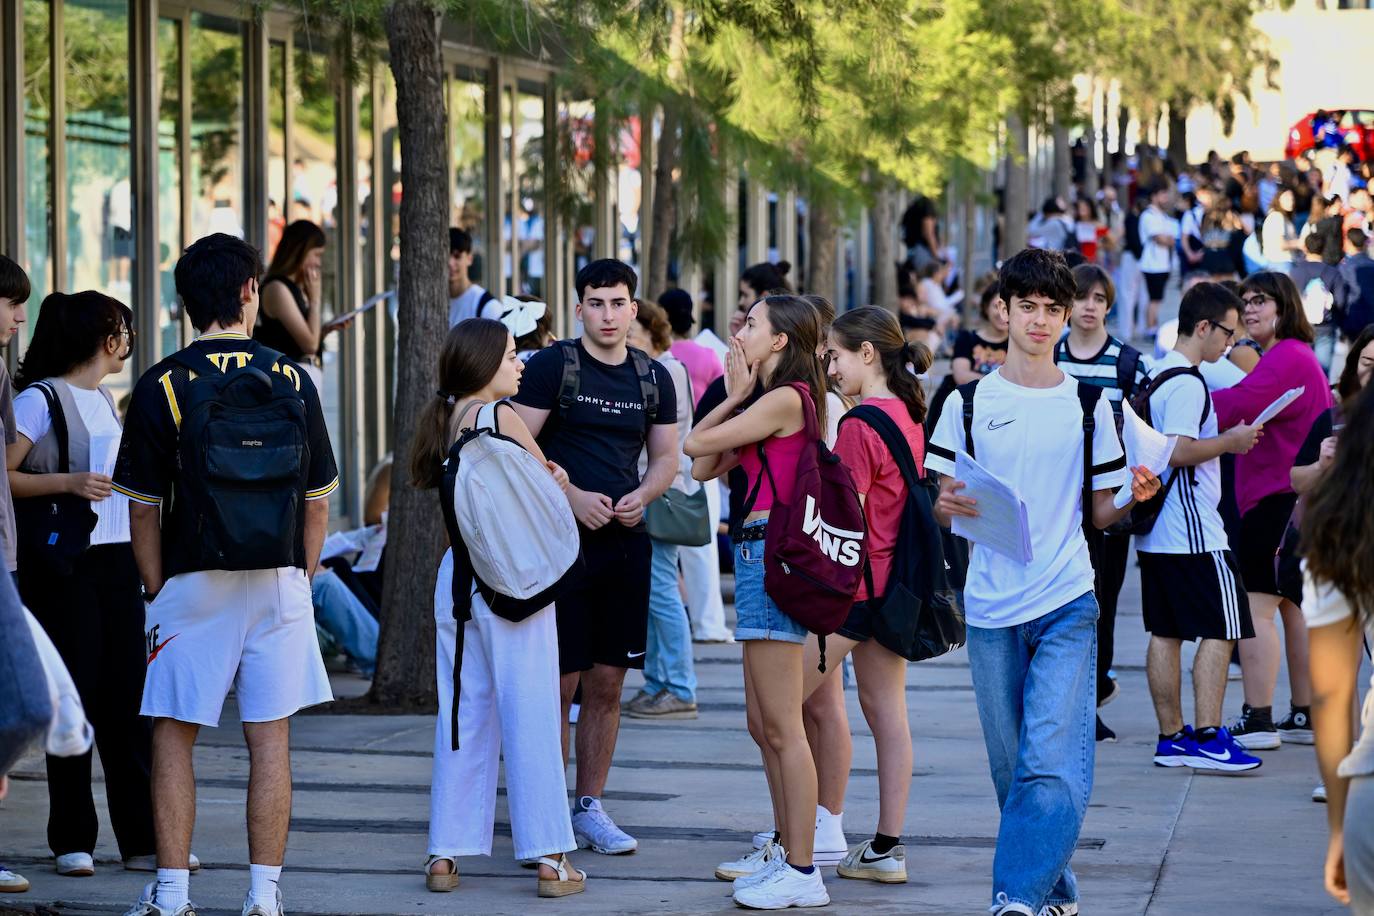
(1155, 841)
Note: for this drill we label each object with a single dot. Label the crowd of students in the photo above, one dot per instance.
(192, 550)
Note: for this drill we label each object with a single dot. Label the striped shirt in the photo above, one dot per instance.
(1102, 368)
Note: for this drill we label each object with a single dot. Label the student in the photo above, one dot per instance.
(1190, 580)
(1091, 355)
(91, 609)
(1337, 603)
(777, 345)
(870, 360)
(508, 704)
(466, 299)
(1032, 628)
(670, 678)
(703, 366)
(209, 628)
(755, 283)
(292, 295)
(1326, 297)
(588, 404)
(1274, 317)
(14, 292)
(976, 351)
(1158, 233)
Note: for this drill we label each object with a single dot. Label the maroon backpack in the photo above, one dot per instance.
(815, 549)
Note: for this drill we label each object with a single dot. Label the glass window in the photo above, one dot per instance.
(530, 231)
(629, 189)
(100, 218)
(577, 184)
(170, 241)
(276, 146)
(37, 137)
(217, 106)
(467, 120)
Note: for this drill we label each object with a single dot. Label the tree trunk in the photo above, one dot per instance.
(1016, 202)
(1108, 177)
(885, 250)
(1090, 173)
(664, 213)
(1178, 135)
(405, 649)
(1123, 124)
(823, 232)
(1063, 161)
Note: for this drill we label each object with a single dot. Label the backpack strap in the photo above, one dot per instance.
(463, 577)
(1127, 365)
(195, 360)
(648, 387)
(58, 418)
(1088, 396)
(966, 393)
(571, 382)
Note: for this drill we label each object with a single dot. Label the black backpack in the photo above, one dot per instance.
(1144, 515)
(1088, 396)
(242, 458)
(918, 617)
(571, 382)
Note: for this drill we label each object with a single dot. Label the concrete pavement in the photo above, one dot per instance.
(1156, 841)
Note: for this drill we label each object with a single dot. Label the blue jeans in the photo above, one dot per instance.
(343, 617)
(1036, 692)
(757, 616)
(668, 657)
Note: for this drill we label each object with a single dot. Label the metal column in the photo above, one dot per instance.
(726, 291)
(143, 116)
(352, 394)
(12, 129)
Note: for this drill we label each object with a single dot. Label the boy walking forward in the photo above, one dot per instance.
(1032, 627)
(228, 468)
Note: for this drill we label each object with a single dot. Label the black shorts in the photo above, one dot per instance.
(604, 618)
(1194, 596)
(1261, 531)
(1154, 285)
(858, 626)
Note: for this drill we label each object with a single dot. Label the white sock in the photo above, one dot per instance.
(173, 888)
(263, 887)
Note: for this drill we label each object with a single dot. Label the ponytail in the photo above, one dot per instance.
(429, 448)
(902, 361)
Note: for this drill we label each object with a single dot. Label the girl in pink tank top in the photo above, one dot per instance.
(777, 345)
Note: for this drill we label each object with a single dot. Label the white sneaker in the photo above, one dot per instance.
(863, 863)
(76, 865)
(751, 864)
(1319, 793)
(146, 906)
(149, 863)
(830, 847)
(784, 887)
(257, 909)
(763, 838)
(595, 830)
(1060, 909)
(1002, 906)
(12, 883)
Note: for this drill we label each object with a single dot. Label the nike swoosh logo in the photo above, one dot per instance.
(992, 425)
(634, 654)
(1222, 757)
(863, 858)
(160, 646)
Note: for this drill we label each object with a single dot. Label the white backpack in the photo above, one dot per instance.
(511, 515)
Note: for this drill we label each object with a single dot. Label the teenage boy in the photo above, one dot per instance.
(1190, 582)
(466, 299)
(1158, 233)
(1093, 356)
(14, 292)
(1032, 627)
(211, 627)
(592, 404)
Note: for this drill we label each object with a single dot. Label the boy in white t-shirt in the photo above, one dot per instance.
(1032, 641)
(1190, 581)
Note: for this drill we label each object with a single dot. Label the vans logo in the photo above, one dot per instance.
(838, 544)
(251, 443)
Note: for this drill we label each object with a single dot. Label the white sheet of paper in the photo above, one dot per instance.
(1282, 401)
(1001, 524)
(112, 512)
(1144, 445)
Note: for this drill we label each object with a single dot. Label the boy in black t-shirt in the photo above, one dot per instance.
(593, 404)
(209, 629)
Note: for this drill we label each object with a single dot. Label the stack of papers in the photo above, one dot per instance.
(1001, 524)
(1145, 446)
(112, 512)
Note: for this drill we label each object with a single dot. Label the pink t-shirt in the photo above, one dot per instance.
(1264, 470)
(877, 476)
(783, 453)
(703, 366)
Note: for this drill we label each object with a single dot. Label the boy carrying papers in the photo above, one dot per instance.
(1032, 627)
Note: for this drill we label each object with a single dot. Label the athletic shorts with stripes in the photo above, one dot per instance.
(1194, 596)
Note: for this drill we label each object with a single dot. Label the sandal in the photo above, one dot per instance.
(562, 886)
(438, 882)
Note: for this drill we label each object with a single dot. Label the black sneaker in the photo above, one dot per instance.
(1104, 733)
(1296, 727)
(1253, 734)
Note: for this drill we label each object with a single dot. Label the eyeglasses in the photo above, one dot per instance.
(1255, 302)
(1229, 332)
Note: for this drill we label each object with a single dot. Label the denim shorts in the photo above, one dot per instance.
(757, 617)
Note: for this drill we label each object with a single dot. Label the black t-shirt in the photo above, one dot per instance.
(984, 355)
(600, 441)
(146, 470)
(1312, 446)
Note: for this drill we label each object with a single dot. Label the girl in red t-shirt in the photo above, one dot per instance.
(870, 360)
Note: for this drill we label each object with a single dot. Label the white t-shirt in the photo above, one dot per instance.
(461, 308)
(1032, 438)
(1189, 521)
(1154, 257)
(32, 420)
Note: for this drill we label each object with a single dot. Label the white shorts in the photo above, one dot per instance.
(251, 630)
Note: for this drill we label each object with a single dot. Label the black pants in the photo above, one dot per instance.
(1110, 554)
(95, 619)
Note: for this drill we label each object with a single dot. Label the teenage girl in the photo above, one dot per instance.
(777, 343)
(509, 702)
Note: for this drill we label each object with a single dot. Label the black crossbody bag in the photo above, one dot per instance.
(54, 530)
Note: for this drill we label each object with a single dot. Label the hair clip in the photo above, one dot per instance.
(449, 399)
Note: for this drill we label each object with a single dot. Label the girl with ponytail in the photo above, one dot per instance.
(870, 360)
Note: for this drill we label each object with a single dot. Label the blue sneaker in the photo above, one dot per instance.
(1223, 753)
(1171, 753)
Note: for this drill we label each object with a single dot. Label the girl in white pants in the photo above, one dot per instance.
(508, 685)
